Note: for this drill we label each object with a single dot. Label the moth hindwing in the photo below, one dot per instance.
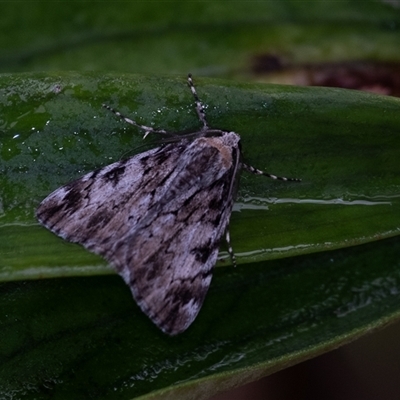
(157, 217)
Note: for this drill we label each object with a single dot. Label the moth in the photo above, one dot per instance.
(158, 217)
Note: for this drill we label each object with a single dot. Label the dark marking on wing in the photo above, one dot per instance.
(202, 253)
(115, 174)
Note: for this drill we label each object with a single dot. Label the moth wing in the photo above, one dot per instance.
(158, 218)
(104, 205)
(168, 262)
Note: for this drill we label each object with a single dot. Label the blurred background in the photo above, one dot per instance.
(367, 369)
(345, 44)
(349, 44)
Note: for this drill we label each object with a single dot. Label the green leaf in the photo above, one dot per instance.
(86, 336)
(343, 144)
(219, 37)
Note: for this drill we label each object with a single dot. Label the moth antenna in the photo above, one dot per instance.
(146, 129)
(199, 105)
(256, 171)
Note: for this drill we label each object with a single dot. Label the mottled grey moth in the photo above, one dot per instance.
(157, 217)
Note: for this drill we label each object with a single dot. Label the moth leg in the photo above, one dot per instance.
(230, 249)
(145, 128)
(256, 171)
(199, 105)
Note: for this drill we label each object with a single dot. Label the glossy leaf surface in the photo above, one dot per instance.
(342, 144)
